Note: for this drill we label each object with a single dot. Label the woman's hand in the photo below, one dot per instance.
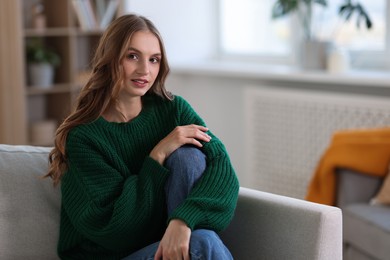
(175, 243)
(181, 135)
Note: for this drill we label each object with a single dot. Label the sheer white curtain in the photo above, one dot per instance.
(13, 126)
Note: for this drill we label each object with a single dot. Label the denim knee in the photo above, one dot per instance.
(186, 166)
(187, 157)
(206, 244)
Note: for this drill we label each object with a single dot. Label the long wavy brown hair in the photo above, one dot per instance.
(104, 83)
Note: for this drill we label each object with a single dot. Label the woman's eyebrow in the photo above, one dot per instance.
(136, 50)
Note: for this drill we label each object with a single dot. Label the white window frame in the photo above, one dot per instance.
(377, 60)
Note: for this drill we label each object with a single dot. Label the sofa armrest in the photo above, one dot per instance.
(355, 187)
(29, 205)
(269, 226)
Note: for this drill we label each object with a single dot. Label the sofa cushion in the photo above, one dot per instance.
(29, 205)
(367, 227)
(353, 253)
(383, 196)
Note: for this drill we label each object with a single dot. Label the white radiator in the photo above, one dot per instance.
(288, 131)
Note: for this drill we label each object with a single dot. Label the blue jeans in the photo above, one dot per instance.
(187, 165)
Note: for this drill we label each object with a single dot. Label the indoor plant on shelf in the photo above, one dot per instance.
(41, 61)
(313, 51)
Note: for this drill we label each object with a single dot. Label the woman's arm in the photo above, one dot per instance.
(103, 205)
(212, 201)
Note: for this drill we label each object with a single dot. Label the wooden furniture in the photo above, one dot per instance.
(12, 98)
(50, 105)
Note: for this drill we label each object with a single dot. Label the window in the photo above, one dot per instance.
(248, 30)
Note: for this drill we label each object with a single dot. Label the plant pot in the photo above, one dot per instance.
(314, 54)
(41, 74)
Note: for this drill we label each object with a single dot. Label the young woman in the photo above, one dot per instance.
(141, 175)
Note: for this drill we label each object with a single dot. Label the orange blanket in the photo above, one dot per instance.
(366, 151)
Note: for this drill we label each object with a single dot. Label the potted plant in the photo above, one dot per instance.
(314, 51)
(41, 61)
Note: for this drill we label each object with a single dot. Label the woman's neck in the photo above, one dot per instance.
(123, 111)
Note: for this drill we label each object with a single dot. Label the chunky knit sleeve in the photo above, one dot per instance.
(104, 202)
(212, 202)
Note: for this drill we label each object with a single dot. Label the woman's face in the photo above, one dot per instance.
(141, 64)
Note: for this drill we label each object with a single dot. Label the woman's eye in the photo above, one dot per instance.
(154, 60)
(131, 56)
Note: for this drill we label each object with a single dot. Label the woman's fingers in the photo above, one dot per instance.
(193, 131)
(175, 242)
(181, 135)
(194, 141)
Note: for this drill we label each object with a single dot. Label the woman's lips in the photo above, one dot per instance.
(140, 82)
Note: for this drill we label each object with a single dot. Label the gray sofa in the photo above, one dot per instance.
(366, 227)
(265, 226)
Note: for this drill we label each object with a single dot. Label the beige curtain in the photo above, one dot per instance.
(13, 123)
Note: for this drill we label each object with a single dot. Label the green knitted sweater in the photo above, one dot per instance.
(113, 200)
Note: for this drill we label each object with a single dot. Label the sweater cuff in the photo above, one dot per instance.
(152, 165)
(154, 171)
(190, 214)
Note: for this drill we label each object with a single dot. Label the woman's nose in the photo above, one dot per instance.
(143, 67)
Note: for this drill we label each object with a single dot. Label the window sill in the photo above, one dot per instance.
(280, 73)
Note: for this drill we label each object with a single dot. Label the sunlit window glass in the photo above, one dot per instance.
(247, 28)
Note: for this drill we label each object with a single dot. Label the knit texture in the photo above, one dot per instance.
(113, 200)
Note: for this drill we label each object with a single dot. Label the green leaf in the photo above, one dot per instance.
(283, 7)
(321, 2)
(37, 52)
(348, 9)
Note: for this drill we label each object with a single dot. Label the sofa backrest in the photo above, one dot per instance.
(29, 205)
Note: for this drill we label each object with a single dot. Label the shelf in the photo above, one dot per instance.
(92, 32)
(75, 46)
(55, 89)
(60, 31)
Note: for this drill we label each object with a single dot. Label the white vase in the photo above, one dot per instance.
(41, 74)
(338, 61)
(314, 54)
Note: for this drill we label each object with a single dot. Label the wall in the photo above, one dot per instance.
(189, 28)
